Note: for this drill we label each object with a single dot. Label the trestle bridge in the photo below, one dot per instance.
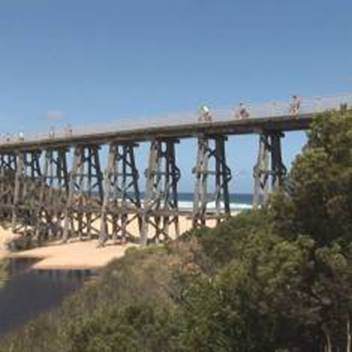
(58, 186)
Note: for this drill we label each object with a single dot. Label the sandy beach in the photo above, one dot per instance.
(78, 254)
(73, 255)
(5, 236)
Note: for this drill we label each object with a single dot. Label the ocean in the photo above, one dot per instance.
(239, 201)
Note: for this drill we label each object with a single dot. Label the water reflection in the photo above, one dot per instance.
(27, 293)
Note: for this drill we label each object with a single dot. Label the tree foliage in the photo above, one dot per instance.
(318, 201)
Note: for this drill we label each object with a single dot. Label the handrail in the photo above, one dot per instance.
(308, 105)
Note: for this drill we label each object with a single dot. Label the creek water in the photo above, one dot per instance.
(25, 293)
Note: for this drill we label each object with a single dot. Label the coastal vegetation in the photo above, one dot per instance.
(3, 272)
(275, 279)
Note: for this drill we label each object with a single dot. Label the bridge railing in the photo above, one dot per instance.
(282, 108)
(309, 105)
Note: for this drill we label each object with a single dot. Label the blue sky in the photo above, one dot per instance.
(96, 61)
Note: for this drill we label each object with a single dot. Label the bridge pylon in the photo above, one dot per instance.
(85, 197)
(160, 208)
(121, 204)
(28, 179)
(7, 184)
(269, 171)
(211, 148)
(53, 195)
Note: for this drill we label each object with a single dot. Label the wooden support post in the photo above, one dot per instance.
(279, 170)
(85, 198)
(7, 184)
(269, 172)
(261, 172)
(121, 205)
(201, 172)
(161, 198)
(211, 148)
(26, 195)
(53, 195)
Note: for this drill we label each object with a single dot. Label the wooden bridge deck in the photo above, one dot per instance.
(184, 130)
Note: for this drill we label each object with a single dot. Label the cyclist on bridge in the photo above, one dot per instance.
(295, 106)
(242, 112)
(205, 115)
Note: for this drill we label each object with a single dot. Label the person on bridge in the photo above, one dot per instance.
(205, 115)
(52, 132)
(295, 106)
(242, 112)
(21, 136)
